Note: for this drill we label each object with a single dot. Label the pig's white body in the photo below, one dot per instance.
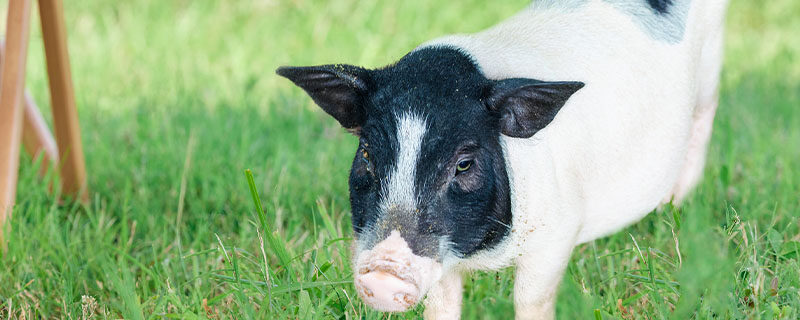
(634, 137)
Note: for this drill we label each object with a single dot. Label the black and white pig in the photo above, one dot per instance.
(510, 146)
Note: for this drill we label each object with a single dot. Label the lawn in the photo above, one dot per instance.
(178, 98)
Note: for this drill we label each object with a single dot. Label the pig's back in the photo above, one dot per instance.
(617, 146)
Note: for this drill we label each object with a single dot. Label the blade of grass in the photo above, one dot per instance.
(277, 246)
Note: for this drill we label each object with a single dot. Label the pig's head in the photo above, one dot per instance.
(428, 185)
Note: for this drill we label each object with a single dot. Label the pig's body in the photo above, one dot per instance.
(633, 138)
(560, 125)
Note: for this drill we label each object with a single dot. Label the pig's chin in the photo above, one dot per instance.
(391, 278)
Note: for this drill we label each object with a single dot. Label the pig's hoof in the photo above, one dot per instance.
(386, 292)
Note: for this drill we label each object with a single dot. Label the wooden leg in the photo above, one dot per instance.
(36, 136)
(12, 83)
(62, 97)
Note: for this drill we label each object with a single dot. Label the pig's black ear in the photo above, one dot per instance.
(525, 106)
(339, 89)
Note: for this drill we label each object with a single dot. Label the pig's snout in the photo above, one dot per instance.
(386, 292)
(390, 277)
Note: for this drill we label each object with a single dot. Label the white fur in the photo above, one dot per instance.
(399, 190)
(443, 301)
(630, 139)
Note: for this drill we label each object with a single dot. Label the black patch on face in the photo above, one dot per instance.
(446, 89)
(660, 6)
(461, 183)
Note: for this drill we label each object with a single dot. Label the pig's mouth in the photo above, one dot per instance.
(391, 278)
(387, 280)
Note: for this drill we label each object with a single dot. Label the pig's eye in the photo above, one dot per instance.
(463, 166)
(366, 160)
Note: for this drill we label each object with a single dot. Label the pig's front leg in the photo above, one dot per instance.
(444, 299)
(537, 277)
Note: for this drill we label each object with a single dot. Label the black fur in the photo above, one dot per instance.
(338, 89)
(660, 6)
(465, 114)
(527, 106)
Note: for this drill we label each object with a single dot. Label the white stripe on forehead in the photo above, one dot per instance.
(399, 191)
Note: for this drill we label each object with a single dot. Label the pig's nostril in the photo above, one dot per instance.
(405, 299)
(367, 292)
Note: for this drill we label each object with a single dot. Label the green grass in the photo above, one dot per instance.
(178, 98)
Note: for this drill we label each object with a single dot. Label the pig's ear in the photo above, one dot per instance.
(339, 89)
(525, 106)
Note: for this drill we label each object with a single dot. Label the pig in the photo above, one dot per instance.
(510, 146)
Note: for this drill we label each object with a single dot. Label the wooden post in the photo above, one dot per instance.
(62, 97)
(36, 136)
(12, 84)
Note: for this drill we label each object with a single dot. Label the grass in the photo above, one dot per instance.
(178, 98)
